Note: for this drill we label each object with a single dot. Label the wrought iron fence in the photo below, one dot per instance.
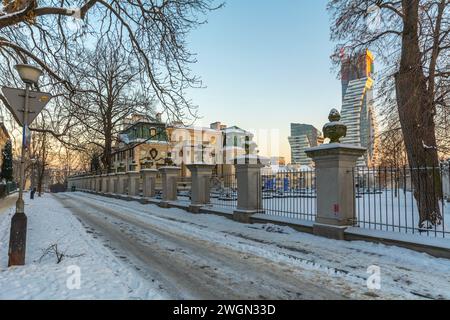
(406, 200)
(290, 194)
(7, 188)
(223, 191)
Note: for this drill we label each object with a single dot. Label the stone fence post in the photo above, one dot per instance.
(446, 181)
(335, 187)
(105, 182)
(88, 183)
(98, 185)
(169, 177)
(134, 178)
(148, 182)
(93, 185)
(200, 188)
(121, 183)
(112, 185)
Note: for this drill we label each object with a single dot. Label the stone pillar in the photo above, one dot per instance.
(122, 183)
(334, 165)
(112, 187)
(92, 183)
(169, 177)
(89, 183)
(148, 182)
(98, 186)
(249, 185)
(200, 188)
(134, 178)
(105, 182)
(446, 181)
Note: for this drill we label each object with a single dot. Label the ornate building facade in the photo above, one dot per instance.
(147, 143)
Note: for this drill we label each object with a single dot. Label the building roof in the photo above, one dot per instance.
(237, 130)
(156, 124)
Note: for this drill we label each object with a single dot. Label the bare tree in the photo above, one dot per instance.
(113, 91)
(411, 38)
(51, 33)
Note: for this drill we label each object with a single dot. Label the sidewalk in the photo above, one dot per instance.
(102, 275)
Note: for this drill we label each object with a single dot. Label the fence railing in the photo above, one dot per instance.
(405, 200)
(223, 192)
(290, 194)
(7, 188)
(184, 187)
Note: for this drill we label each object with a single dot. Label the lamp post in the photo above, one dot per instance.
(17, 242)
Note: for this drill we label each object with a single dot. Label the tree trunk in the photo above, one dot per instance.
(40, 180)
(43, 164)
(416, 113)
(107, 157)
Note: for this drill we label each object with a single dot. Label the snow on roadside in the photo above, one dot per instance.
(102, 275)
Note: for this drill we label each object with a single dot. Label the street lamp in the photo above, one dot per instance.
(29, 74)
(17, 243)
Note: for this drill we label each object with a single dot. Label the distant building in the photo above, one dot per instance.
(190, 144)
(303, 136)
(278, 161)
(358, 104)
(237, 143)
(149, 143)
(142, 144)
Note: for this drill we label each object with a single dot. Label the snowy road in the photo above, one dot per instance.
(207, 256)
(187, 267)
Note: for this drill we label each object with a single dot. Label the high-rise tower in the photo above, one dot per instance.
(303, 136)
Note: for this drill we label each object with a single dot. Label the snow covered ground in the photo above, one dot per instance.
(102, 275)
(398, 212)
(204, 248)
(334, 264)
(385, 211)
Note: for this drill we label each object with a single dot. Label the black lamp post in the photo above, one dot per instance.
(18, 236)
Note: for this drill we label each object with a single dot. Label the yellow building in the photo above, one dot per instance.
(151, 144)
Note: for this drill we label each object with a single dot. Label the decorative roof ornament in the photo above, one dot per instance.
(335, 129)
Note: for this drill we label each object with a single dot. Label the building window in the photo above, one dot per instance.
(153, 132)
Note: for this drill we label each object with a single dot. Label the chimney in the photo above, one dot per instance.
(216, 125)
(159, 117)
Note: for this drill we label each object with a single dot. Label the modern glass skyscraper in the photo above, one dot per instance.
(358, 105)
(303, 136)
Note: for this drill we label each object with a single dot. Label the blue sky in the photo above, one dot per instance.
(266, 64)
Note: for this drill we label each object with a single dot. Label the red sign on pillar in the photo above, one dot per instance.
(336, 209)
